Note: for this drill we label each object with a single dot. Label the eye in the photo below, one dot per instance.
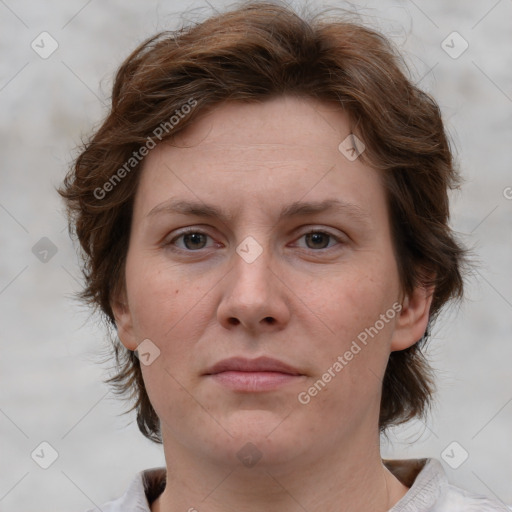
(317, 239)
(193, 240)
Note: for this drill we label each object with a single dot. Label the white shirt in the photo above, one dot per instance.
(429, 491)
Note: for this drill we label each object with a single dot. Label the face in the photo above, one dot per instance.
(254, 237)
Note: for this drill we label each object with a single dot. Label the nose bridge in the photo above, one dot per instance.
(253, 297)
(253, 262)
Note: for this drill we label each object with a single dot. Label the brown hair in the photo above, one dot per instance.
(254, 52)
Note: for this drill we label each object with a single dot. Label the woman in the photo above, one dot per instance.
(264, 215)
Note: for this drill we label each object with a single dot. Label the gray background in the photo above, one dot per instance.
(52, 386)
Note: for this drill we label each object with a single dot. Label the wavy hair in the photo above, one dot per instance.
(251, 53)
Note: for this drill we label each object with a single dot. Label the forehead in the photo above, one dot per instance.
(279, 128)
(261, 154)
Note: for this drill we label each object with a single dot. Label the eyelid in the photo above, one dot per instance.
(340, 239)
(184, 231)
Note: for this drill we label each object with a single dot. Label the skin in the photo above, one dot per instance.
(203, 302)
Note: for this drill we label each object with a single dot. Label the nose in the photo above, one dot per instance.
(254, 296)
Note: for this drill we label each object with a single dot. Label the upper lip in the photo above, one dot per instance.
(261, 364)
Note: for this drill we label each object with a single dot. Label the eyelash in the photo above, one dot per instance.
(171, 243)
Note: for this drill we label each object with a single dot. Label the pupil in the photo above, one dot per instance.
(317, 237)
(195, 238)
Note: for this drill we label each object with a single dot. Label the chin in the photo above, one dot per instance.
(263, 438)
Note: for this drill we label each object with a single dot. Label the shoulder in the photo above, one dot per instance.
(143, 490)
(429, 490)
(456, 499)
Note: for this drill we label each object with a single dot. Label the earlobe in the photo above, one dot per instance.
(413, 319)
(124, 324)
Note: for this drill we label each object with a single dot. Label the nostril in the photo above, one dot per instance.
(269, 320)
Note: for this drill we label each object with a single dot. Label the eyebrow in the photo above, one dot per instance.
(295, 209)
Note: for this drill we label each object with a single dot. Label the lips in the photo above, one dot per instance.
(261, 375)
(261, 364)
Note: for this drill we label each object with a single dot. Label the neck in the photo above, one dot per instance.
(350, 478)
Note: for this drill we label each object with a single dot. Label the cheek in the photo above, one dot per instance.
(170, 309)
(157, 296)
(165, 310)
(352, 359)
(358, 309)
(355, 298)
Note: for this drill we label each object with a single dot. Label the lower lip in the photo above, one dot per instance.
(254, 381)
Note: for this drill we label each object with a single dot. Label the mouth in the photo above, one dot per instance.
(253, 375)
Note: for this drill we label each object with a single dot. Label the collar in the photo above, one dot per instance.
(425, 478)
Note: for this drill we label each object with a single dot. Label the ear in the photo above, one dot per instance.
(124, 322)
(412, 321)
